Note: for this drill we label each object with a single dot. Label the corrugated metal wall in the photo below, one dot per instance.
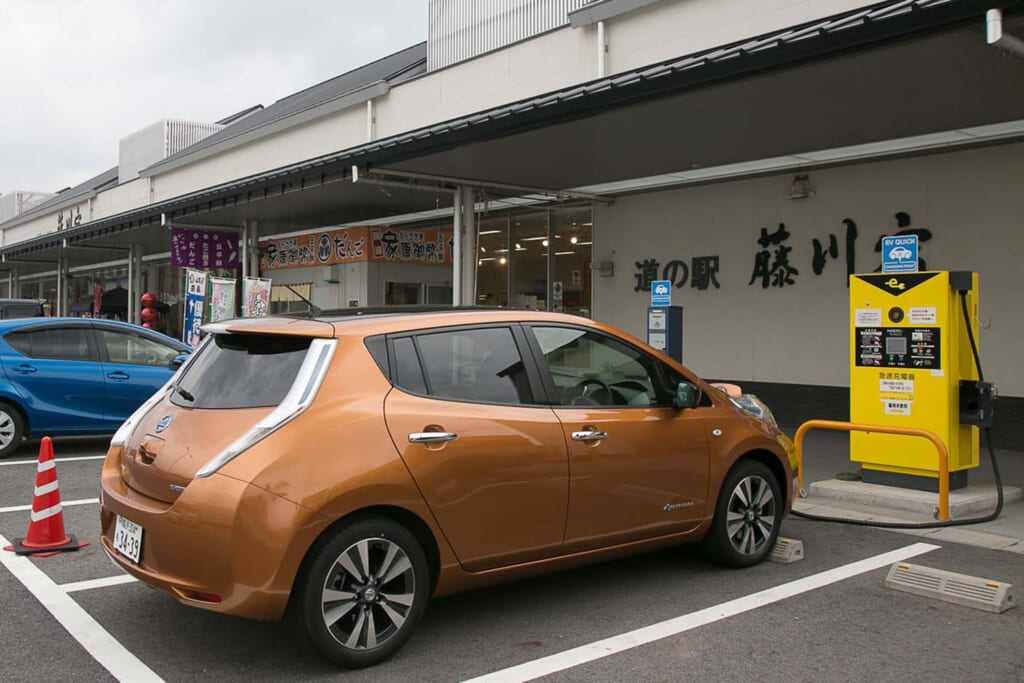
(181, 134)
(460, 29)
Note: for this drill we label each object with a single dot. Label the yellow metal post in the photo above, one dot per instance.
(880, 429)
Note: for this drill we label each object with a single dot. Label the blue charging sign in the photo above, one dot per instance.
(899, 254)
(661, 293)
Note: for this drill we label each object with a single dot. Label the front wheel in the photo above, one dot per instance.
(747, 516)
(366, 587)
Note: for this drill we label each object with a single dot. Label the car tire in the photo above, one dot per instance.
(748, 515)
(12, 429)
(363, 591)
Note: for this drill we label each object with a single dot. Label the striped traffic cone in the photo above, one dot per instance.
(46, 526)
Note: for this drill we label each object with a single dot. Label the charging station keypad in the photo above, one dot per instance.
(899, 347)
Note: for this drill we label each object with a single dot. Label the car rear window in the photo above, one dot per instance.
(242, 371)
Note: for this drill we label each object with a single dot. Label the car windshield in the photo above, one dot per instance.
(241, 371)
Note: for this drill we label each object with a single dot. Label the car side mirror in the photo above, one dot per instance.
(177, 361)
(687, 396)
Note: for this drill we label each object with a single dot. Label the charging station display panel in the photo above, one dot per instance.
(909, 351)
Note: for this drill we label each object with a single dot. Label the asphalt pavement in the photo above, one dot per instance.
(819, 619)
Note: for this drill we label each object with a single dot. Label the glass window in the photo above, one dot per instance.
(530, 260)
(242, 371)
(128, 347)
(408, 374)
(492, 264)
(401, 293)
(570, 289)
(589, 369)
(475, 365)
(60, 343)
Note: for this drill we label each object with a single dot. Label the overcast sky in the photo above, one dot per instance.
(76, 76)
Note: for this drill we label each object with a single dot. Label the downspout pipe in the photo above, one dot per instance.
(995, 36)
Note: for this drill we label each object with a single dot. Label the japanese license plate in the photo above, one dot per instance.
(128, 538)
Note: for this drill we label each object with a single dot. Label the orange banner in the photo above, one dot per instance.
(362, 243)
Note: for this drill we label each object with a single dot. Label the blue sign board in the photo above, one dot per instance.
(661, 293)
(899, 254)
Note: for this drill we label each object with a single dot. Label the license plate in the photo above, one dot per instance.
(128, 538)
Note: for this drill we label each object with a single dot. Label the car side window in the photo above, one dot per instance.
(481, 365)
(408, 373)
(136, 349)
(590, 369)
(55, 343)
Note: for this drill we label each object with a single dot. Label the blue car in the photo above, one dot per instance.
(64, 376)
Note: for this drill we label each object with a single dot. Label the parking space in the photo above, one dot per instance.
(829, 623)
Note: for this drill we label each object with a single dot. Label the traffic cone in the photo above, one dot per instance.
(46, 529)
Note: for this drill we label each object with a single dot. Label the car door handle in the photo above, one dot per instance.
(24, 369)
(118, 376)
(432, 437)
(589, 435)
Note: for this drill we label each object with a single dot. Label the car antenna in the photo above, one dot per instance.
(314, 310)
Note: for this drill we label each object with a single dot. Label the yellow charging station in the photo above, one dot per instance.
(909, 353)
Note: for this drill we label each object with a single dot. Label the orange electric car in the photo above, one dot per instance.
(346, 468)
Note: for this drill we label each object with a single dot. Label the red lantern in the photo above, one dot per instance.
(148, 326)
(148, 314)
(148, 299)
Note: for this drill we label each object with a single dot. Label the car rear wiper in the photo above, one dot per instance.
(185, 394)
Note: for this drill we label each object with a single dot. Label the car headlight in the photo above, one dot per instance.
(756, 407)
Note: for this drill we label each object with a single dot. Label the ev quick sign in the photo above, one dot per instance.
(661, 293)
(899, 254)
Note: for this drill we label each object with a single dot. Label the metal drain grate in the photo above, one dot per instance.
(787, 550)
(960, 589)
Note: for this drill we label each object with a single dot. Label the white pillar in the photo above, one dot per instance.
(243, 248)
(369, 120)
(61, 289)
(253, 251)
(469, 247)
(131, 281)
(600, 49)
(457, 248)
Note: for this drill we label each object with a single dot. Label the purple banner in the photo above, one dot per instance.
(203, 248)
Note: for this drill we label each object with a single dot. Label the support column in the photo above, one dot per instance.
(253, 252)
(62, 294)
(469, 246)
(550, 264)
(131, 281)
(243, 248)
(457, 248)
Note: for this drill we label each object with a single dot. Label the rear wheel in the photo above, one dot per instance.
(747, 516)
(12, 429)
(365, 589)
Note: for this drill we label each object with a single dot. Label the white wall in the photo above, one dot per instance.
(970, 200)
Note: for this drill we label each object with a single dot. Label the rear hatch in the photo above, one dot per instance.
(235, 380)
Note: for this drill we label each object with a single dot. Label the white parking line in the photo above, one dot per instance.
(104, 648)
(105, 582)
(35, 461)
(67, 503)
(642, 636)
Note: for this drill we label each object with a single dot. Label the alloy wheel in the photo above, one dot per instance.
(7, 429)
(368, 594)
(750, 517)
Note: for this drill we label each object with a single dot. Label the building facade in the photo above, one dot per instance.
(561, 155)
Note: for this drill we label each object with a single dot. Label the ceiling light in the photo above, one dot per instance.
(519, 247)
(491, 232)
(574, 239)
(544, 243)
(502, 260)
(564, 253)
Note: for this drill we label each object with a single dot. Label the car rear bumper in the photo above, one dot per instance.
(222, 537)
